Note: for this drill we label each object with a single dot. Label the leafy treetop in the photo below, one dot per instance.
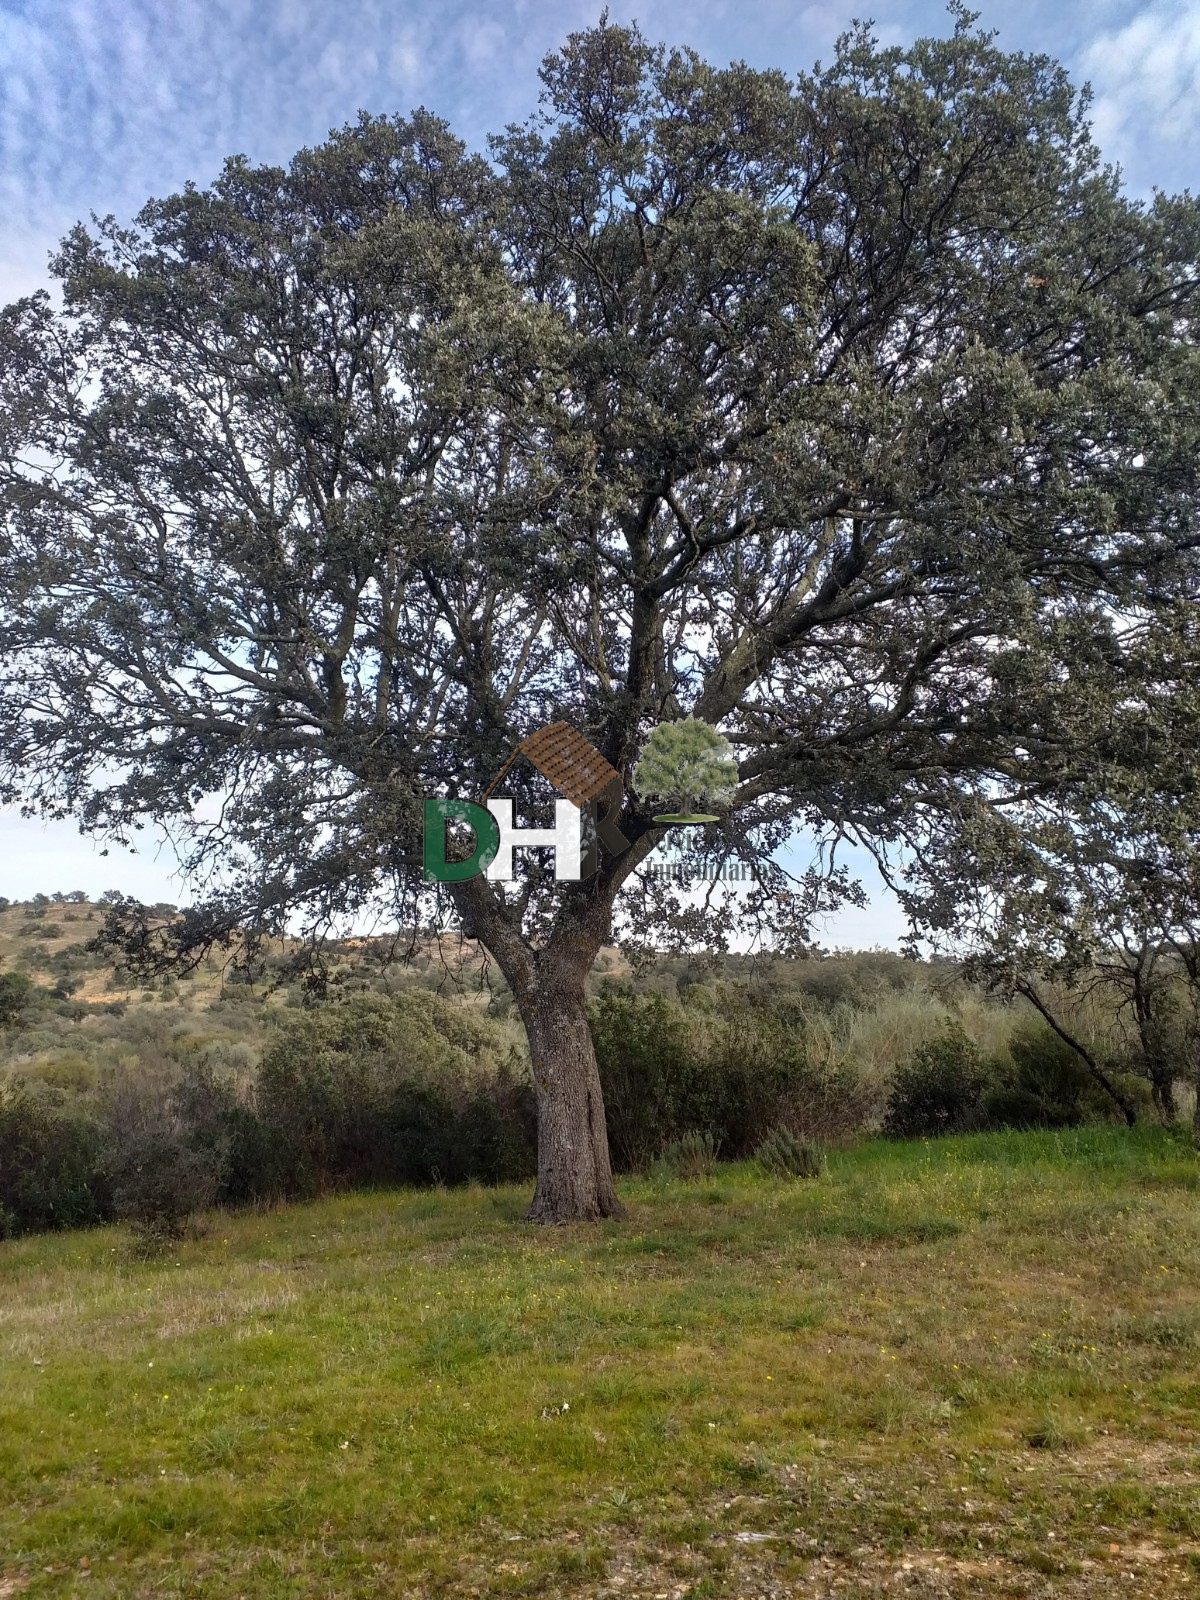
(687, 761)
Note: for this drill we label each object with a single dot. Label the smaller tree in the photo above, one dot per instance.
(687, 762)
(1089, 913)
(16, 990)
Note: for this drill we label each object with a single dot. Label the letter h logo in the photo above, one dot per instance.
(593, 791)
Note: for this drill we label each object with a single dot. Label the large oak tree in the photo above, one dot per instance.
(850, 413)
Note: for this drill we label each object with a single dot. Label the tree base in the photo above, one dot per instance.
(552, 1214)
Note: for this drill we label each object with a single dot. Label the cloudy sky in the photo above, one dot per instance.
(104, 103)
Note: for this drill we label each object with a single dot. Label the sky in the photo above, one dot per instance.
(106, 103)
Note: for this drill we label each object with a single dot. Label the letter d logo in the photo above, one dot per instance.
(487, 840)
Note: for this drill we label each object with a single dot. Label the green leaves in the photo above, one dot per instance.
(856, 414)
(686, 761)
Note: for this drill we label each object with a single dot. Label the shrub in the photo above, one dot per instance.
(66, 1069)
(693, 1156)
(773, 1073)
(249, 1156)
(783, 1155)
(667, 1072)
(402, 1090)
(733, 1063)
(860, 980)
(752, 1061)
(237, 1056)
(16, 994)
(941, 1089)
(642, 1045)
(49, 1164)
(160, 1175)
(499, 1126)
(1047, 1085)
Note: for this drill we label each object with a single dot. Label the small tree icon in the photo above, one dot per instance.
(686, 762)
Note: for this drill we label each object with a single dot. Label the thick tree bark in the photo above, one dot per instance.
(574, 1181)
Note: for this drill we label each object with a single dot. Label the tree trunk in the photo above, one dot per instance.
(549, 985)
(574, 1181)
(1162, 1083)
(1159, 1066)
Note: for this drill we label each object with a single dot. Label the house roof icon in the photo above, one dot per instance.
(563, 755)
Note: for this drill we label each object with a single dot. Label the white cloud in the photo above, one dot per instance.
(481, 42)
(1145, 76)
(404, 57)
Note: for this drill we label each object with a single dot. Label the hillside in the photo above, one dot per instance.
(85, 998)
(47, 942)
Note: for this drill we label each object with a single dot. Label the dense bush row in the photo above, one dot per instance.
(368, 1091)
(732, 1062)
(949, 1086)
(410, 1089)
(738, 1064)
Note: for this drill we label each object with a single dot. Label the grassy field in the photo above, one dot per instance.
(964, 1368)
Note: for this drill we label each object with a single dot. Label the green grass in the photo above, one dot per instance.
(969, 1367)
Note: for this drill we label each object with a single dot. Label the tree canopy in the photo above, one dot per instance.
(855, 414)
